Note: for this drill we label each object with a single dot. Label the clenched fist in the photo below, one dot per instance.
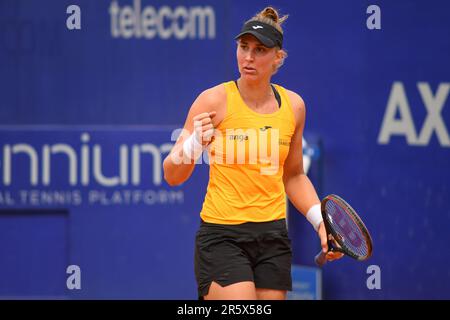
(203, 127)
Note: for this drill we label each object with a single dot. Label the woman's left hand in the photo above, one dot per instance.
(331, 255)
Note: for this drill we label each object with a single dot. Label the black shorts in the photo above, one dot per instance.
(253, 251)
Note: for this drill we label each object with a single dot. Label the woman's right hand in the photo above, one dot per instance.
(204, 128)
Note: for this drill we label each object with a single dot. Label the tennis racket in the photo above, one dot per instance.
(345, 230)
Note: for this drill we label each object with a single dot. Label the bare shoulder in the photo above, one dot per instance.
(297, 103)
(213, 96)
(214, 99)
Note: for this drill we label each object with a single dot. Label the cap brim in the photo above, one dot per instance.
(263, 39)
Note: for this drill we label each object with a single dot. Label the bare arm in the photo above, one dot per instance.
(299, 188)
(177, 165)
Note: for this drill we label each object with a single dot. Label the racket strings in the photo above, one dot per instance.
(352, 237)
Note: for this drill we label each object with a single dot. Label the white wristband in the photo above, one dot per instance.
(314, 216)
(192, 148)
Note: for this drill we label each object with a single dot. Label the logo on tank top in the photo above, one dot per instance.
(265, 128)
(238, 137)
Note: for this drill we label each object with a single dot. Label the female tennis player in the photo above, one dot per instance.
(253, 132)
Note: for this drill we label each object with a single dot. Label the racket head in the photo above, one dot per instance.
(346, 227)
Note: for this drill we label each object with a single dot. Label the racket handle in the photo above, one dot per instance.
(321, 258)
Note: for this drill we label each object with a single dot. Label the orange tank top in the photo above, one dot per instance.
(246, 162)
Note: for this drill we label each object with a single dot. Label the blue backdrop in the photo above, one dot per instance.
(87, 116)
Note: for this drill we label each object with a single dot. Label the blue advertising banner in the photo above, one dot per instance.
(98, 195)
(92, 90)
(306, 283)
